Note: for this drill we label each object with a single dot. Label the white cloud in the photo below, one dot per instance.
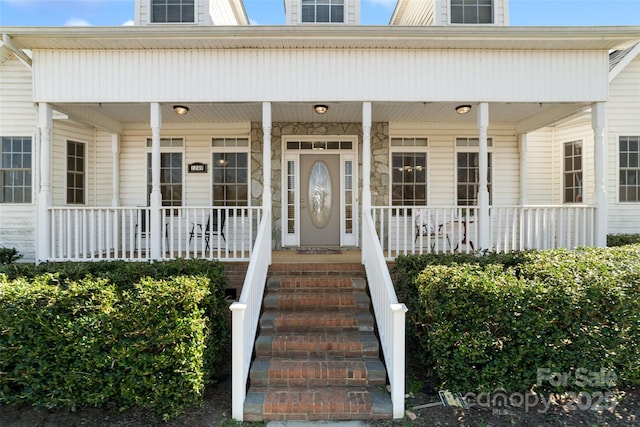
(76, 22)
(386, 3)
(128, 23)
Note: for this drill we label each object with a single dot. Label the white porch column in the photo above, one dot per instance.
(483, 166)
(45, 127)
(366, 155)
(115, 169)
(156, 196)
(266, 155)
(598, 119)
(523, 142)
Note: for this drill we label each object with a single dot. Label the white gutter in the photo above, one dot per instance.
(6, 41)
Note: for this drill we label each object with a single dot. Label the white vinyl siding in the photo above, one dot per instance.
(499, 75)
(63, 131)
(18, 221)
(623, 119)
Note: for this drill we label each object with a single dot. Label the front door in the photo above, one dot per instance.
(320, 200)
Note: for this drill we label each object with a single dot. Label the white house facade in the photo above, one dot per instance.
(194, 134)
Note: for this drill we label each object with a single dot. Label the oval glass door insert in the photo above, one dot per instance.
(320, 194)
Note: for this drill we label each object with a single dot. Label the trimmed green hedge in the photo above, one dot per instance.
(484, 322)
(111, 333)
(622, 239)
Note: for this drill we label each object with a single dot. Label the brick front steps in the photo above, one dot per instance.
(317, 357)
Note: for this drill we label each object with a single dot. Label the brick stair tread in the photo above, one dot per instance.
(317, 320)
(319, 343)
(292, 300)
(312, 283)
(316, 403)
(317, 372)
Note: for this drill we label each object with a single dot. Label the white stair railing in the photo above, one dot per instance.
(245, 316)
(389, 314)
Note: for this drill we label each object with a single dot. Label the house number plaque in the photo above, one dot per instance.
(197, 168)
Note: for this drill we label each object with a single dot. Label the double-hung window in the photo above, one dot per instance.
(230, 171)
(323, 11)
(75, 172)
(171, 171)
(472, 11)
(408, 171)
(573, 172)
(629, 190)
(15, 170)
(468, 171)
(167, 11)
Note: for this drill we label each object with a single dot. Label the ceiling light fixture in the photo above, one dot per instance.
(463, 109)
(181, 110)
(320, 109)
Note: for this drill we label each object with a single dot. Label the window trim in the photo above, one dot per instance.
(471, 149)
(227, 149)
(619, 168)
(493, 16)
(163, 150)
(33, 171)
(85, 175)
(409, 149)
(150, 20)
(564, 172)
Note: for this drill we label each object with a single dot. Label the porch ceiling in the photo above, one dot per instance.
(524, 116)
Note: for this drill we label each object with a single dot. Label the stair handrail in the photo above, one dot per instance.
(245, 315)
(389, 314)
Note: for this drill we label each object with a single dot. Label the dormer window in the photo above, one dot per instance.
(323, 11)
(166, 11)
(472, 11)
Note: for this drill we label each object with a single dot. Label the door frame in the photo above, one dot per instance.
(309, 145)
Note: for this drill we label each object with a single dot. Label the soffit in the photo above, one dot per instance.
(324, 37)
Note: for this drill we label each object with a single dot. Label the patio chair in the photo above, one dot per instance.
(426, 226)
(211, 228)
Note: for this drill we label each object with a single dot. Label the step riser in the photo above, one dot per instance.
(327, 300)
(299, 284)
(301, 322)
(275, 372)
(318, 346)
(314, 269)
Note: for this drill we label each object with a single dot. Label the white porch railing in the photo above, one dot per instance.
(108, 233)
(390, 315)
(245, 316)
(455, 229)
(404, 230)
(541, 227)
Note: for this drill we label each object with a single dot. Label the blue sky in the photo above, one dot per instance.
(271, 12)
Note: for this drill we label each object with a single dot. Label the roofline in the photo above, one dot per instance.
(630, 56)
(534, 38)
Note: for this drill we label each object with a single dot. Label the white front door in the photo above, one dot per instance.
(319, 191)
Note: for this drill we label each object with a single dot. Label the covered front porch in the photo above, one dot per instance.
(202, 222)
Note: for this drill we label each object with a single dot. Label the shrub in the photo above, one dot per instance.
(129, 334)
(622, 239)
(8, 256)
(483, 325)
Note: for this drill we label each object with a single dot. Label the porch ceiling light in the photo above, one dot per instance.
(320, 108)
(180, 110)
(463, 109)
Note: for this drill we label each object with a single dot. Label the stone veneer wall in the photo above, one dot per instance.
(379, 156)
